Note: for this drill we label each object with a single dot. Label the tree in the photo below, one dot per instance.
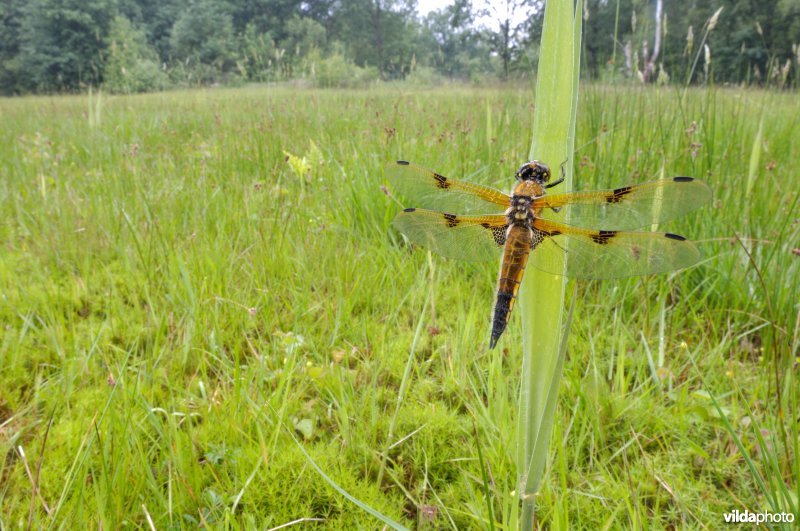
(510, 18)
(156, 18)
(65, 45)
(258, 55)
(457, 48)
(604, 28)
(10, 36)
(648, 57)
(302, 36)
(132, 64)
(202, 41)
(380, 33)
(62, 42)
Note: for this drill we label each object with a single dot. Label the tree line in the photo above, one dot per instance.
(143, 45)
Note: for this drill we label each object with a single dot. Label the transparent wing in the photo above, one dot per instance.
(426, 189)
(608, 253)
(471, 238)
(629, 207)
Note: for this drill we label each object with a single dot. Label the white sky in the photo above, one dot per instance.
(426, 6)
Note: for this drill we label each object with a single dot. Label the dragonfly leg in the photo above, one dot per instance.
(561, 180)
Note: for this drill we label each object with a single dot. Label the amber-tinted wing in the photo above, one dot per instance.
(607, 253)
(423, 188)
(629, 207)
(472, 238)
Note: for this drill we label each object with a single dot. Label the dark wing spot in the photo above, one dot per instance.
(451, 220)
(550, 233)
(617, 195)
(674, 236)
(409, 209)
(603, 236)
(498, 233)
(537, 237)
(402, 162)
(683, 179)
(441, 181)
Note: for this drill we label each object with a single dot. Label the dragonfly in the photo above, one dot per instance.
(468, 221)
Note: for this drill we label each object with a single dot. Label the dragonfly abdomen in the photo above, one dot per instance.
(515, 257)
(502, 309)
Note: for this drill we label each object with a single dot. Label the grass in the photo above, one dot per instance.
(181, 297)
(541, 299)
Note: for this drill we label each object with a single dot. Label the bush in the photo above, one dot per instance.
(142, 76)
(131, 64)
(337, 71)
(188, 74)
(62, 42)
(425, 76)
(202, 42)
(258, 59)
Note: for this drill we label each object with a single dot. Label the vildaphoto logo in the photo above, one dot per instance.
(743, 517)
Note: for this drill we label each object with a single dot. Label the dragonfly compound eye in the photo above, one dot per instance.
(533, 171)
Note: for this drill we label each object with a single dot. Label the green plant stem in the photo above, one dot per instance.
(542, 295)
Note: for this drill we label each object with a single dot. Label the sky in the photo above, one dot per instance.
(426, 6)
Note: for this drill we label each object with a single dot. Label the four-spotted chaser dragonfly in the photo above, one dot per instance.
(594, 244)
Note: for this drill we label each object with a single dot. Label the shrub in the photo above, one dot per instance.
(338, 71)
(202, 41)
(425, 76)
(131, 64)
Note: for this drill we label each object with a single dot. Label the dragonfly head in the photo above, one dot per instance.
(535, 171)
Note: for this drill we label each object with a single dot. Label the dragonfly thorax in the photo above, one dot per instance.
(520, 208)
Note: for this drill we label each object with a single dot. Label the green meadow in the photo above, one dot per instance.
(206, 317)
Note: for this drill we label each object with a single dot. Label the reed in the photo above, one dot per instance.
(541, 296)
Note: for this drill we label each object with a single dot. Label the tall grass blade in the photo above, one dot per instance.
(541, 294)
(755, 158)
